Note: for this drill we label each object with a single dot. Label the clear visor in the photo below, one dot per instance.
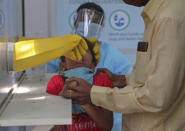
(89, 23)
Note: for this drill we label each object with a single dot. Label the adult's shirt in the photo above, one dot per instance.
(154, 98)
(114, 60)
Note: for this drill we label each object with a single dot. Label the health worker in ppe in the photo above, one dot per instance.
(89, 23)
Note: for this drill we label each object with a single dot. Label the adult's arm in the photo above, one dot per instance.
(164, 79)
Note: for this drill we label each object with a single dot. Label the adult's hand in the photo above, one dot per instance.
(108, 72)
(117, 80)
(78, 90)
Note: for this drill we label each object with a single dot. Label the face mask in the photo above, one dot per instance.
(80, 72)
(83, 73)
(91, 30)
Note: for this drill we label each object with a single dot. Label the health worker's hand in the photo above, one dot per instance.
(81, 49)
(78, 90)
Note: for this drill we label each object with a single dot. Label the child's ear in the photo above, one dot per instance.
(62, 66)
(93, 66)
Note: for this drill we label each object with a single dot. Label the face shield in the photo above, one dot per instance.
(89, 23)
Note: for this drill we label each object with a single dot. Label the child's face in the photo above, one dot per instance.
(86, 61)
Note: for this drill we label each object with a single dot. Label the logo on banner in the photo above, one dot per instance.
(1, 19)
(72, 19)
(119, 20)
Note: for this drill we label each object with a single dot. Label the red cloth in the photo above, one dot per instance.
(81, 121)
(55, 84)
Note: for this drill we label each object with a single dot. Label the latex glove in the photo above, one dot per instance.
(77, 52)
(30, 53)
(80, 50)
(74, 54)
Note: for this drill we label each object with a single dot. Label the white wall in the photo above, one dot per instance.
(9, 10)
(40, 18)
(36, 18)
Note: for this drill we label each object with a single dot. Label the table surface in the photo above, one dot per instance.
(31, 105)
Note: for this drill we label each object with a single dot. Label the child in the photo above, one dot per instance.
(85, 117)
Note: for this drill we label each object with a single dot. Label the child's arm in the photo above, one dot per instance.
(102, 117)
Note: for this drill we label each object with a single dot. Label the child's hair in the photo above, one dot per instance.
(62, 58)
(90, 47)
